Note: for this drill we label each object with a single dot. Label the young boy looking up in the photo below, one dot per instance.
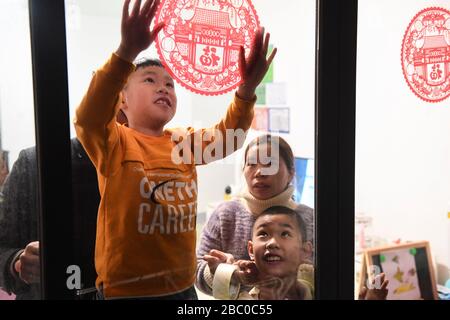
(145, 244)
(277, 249)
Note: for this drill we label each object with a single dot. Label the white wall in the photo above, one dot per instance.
(402, 144)
(16, 82)
(292, 26)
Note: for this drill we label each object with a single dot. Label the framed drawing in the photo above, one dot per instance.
(408, 267)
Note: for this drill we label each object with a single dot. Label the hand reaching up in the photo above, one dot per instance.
(136, 34)
(254, 68)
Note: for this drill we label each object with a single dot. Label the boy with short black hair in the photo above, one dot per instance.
(277, 249)
(145, 245)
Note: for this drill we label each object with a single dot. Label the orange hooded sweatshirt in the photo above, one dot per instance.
(145, 243)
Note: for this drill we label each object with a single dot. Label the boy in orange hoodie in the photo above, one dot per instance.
(145, 244)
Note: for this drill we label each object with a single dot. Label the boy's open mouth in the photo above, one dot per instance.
(163, 101)
(272, 258)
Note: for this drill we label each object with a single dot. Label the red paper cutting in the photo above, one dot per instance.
(426, 54)
(201, 39)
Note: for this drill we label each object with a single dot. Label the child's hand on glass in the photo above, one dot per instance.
(378, 290)
(254, 68)
(135, 28)
(216, 257)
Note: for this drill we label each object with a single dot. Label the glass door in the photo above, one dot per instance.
(401, 173)
(20, 246)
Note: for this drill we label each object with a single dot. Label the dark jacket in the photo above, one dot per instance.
(19, 217)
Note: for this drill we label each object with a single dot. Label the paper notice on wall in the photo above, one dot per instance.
(276, 94)
(261, 119)
(279, 120)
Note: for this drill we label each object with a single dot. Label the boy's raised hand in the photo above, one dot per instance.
(254, 68)
(378, 290)
(136, 34)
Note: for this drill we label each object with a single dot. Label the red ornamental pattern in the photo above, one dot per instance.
(426, 54)
(201, 40)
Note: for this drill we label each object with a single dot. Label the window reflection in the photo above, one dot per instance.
(19, 246)
(93, 31)
(402, 172)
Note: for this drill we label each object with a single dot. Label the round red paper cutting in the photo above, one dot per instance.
(201, 39)
(426, 54)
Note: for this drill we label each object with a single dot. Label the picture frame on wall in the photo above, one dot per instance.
(407, 266)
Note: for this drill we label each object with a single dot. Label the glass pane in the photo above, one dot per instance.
(19, 246)
(285, 108)
(402, 172)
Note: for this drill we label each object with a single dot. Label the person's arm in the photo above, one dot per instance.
(228, 135)
(254, 68)
(18, 220)
(239, 115)
(95, 121)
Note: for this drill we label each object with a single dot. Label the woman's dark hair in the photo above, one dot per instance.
(284, 148)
